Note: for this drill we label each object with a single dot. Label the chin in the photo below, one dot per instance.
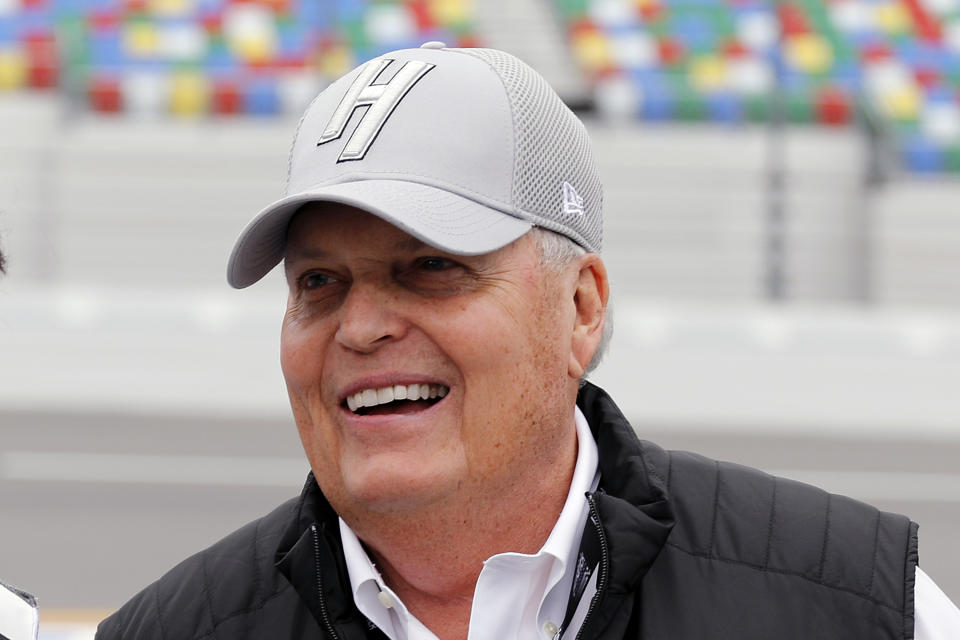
(391, 490)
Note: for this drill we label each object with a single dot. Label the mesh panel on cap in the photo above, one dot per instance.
(552, 148)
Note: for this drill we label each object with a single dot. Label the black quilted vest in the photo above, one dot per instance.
(698, 549)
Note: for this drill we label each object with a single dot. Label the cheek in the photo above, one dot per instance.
(301, 354)
(511, 363)
(499, 343)
(301, 360)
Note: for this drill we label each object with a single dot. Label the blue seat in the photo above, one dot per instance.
(260, 98)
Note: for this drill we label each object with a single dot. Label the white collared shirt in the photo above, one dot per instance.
(934, 616)
(518, 596)
(19, 619)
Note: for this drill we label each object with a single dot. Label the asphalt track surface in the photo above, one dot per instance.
(94, 507)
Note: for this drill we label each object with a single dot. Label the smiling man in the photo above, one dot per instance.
(440, 238)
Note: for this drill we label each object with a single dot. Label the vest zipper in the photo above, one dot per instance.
(324, 614)
(604, 568)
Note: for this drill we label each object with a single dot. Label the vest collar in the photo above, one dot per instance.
(634, 508)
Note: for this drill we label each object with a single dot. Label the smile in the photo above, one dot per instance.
(400, 398)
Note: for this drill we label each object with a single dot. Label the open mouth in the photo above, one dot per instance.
(400, 398)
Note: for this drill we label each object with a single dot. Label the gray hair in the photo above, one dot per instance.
(556, 252)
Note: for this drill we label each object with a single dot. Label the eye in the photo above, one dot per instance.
(436, 264)
(434, 275)
(315, 280)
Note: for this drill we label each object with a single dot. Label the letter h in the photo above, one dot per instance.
(381, 100)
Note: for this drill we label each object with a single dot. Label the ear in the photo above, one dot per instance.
(590, 301)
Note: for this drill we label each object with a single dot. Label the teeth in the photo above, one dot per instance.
(374, 397)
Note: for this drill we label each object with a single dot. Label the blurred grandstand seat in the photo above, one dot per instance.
(820, 61)
(732, 60)
(198, 57)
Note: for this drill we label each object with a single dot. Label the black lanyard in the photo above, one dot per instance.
(588, 559)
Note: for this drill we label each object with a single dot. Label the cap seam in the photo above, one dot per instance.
(296, 136)
(513, 119)
(566, 230)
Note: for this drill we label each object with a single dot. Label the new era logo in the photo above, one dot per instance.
(572, 202)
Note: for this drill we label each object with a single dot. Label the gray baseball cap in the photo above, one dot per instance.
(465, 149)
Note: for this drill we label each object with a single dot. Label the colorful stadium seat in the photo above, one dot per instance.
(734, 60)
(196, 57)
(821, 61)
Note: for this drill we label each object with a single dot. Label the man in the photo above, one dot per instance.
(440, 240)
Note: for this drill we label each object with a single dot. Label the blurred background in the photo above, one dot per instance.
(782, 184)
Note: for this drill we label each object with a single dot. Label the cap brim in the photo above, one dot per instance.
(444, 220)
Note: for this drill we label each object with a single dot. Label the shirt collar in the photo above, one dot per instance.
(367, 584)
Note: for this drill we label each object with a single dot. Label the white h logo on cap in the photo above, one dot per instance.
(381, 99)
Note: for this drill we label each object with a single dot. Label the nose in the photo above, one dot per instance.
(369, 318)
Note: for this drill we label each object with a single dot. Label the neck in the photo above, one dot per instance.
(432, 559)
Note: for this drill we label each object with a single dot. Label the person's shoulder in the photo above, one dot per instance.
(231, 577)
(743, 515)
